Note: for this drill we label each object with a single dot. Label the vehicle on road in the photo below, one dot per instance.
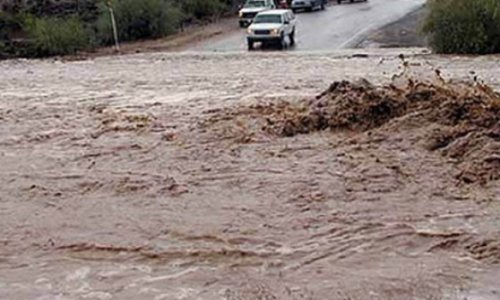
(308, 5)
(251, 8)
(284, 4)
(351, 1)
(272, 27)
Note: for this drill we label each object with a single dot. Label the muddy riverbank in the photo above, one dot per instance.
(406, 32)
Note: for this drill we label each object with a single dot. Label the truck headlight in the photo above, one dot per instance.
(241, 14)
(275, 31)
(249, 30)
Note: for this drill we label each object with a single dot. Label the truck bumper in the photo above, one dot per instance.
(264, 39)
(245, 22)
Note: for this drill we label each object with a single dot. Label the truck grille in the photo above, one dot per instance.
(262, 32)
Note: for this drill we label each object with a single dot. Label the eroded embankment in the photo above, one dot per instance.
(460, 120)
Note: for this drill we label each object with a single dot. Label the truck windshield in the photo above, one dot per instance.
(267, 19)
(252, 4)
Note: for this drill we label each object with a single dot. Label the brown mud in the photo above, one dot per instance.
(460, 120)
(183, 177)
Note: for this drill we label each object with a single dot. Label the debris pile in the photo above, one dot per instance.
(362, 106)
(460, 120)
(466, 118)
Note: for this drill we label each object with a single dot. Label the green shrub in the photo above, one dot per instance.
(56, 36)
(138, 19)
(3, 49)
(464, 26)
(3, 26)
(8, 23)
(45, 28)
(201, 9)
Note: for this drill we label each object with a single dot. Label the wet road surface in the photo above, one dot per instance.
(339, 26)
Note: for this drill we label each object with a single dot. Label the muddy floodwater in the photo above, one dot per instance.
(204, 176)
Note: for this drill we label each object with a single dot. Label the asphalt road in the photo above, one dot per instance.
(339, 26)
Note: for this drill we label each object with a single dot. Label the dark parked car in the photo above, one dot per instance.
(352, 1)
(308, 5)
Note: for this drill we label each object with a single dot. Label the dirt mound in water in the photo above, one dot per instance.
(477, 151)
(361, 106)
(466, 118)
(460, 120)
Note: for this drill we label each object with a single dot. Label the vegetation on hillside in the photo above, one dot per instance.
(464, 26)
(56, 36)
(43, 28)
(138, 20)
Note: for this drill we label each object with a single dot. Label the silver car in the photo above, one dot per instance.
(308, 5)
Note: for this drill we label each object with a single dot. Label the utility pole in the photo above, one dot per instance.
(113, 24)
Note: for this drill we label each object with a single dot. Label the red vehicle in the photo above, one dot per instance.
(282, 4)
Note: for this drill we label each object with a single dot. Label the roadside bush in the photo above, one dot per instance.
(3, 26)
(138, 19)
(56, 36)
(201, 9)
(3, 49)
(45, 28)
(464, 26)
(9, 25)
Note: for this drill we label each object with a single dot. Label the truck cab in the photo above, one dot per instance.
(251, 8)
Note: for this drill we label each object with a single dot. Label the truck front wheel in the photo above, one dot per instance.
(282, 43)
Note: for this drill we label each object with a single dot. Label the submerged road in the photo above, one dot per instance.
(339, 26)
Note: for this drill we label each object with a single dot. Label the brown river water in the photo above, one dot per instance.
(153, 176)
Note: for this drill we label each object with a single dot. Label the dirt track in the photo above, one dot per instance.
(145, 177)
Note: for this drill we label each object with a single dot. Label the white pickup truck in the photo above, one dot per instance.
(252, 8)
(273, 26)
